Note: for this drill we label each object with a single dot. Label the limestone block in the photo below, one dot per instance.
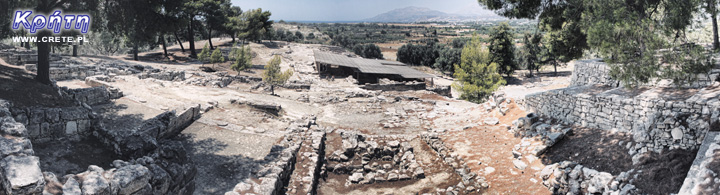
(130, 179)
(14, 129)
(21, 175)
(71, 128)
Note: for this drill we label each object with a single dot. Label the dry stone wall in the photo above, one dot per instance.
(597, 72)
(590, 72)
(49, 123)
(656, 122)
(19, 167)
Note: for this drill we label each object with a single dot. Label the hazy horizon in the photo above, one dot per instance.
(350, 10)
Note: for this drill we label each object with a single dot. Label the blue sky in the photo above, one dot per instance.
(348, 10)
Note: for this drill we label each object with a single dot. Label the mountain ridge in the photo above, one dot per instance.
(423, 14)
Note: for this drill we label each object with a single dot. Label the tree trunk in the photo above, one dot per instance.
(75, 48)
(555, 65)
(210, 38)
(233, 37)
(716, 42)
(135, 51)
(43, 67)
(182, 48)
(530, 68)
(191, 39)
(272, 89)
(162, 38)
(27, 44)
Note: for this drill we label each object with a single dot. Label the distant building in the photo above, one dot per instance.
(365, 70)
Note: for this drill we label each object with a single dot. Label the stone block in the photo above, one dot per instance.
(94, 183)
(36, 116)
(22, 175)
(15, 146)
(56, 130)
(74, 113)
(130, 179)
(71, 187)
(14, 129)
(71, 128)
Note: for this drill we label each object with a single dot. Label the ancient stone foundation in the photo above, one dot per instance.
(656, 121)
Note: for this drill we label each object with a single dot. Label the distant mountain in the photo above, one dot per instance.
(422, 14)
(408, 14)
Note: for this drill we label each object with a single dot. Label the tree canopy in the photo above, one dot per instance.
(641, 40)
(502, 49)
(476, 76)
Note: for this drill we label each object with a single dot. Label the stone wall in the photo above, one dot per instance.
(702, 176)
(163, 171)
(67, 69)
(49, 123)
(594, 71)
(591, 72)
(657, 119)
(94, 95)
(395, 86)
(471, 182)
(273, 178)
(140, 140)
(19, 167)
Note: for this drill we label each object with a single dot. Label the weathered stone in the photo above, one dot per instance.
(130, 179)
(15, 146)
(356, 177)
(22, 175)
(71, 187)
(71, 128)
(14, 129)
(519, 164)
(93, 182)
(677, 134)
(491, 121)
(392, 177)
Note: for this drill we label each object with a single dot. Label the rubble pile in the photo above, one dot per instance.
(374, 159)
(571, 178)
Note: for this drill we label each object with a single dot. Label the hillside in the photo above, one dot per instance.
(422, 14)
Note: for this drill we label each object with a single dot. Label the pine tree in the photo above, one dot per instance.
(273, 74)
(502, 48)
(204, 54)
(243, 59)
(216, 57)
(476, 76)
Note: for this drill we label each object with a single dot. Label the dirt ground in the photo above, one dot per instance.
(73, 156)
(488, 152)
(438, 175)
(664, 173)
(19, 87)
(597, 149)
(230, 141)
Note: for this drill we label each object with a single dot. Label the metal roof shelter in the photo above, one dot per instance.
(368, 66)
